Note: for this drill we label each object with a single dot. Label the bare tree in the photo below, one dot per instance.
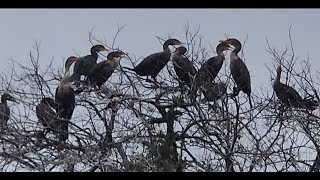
(133, 125)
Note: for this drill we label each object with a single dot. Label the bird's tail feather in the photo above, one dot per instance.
(310, 104)
(250, 102)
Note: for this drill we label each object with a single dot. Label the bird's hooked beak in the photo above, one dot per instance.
(227, 44)
(178, 44)
(12, 99)
(119, 56)
(124, 55)
(229, 47)
(104, 49)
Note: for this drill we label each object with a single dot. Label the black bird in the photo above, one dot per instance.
(99, 74)
(65, 99)
(183, 67)
(239, 70)
(46, 114)
(154, 63)
(210, 69)
(5, 110)
(289, 96)
(83, 66)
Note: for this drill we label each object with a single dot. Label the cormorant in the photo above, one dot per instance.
(183, 67)
(46, 114)
(65, 99)
(83, 66)
(5, 110)
(239, 70)
(289, 96)
(210, 69)
(154, 63)
(103, 70)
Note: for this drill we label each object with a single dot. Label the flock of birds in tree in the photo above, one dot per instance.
(55, 114)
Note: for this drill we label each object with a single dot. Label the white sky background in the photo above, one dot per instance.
(64, 32)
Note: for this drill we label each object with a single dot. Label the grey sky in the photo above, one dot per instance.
(64, 32)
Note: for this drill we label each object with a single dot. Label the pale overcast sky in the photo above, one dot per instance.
(64, 32)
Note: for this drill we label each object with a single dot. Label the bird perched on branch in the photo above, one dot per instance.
(5, 110)
(99, 74)
(289, 96)
(183, 67)
(46, 114)
(210, 69)
(65, 99)
(154, 63)
(83, 66)
(239, 70)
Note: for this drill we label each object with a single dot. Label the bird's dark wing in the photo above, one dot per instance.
(101, 72)
(152, 64)
(65, 106)
(184, 68)
(209, 70)
(4, 115)
(108, 69)
(289, 92)
(95, 69)
(65, 103)
(46, 115)
(288, 95)
(241, 75)
(83, 66)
